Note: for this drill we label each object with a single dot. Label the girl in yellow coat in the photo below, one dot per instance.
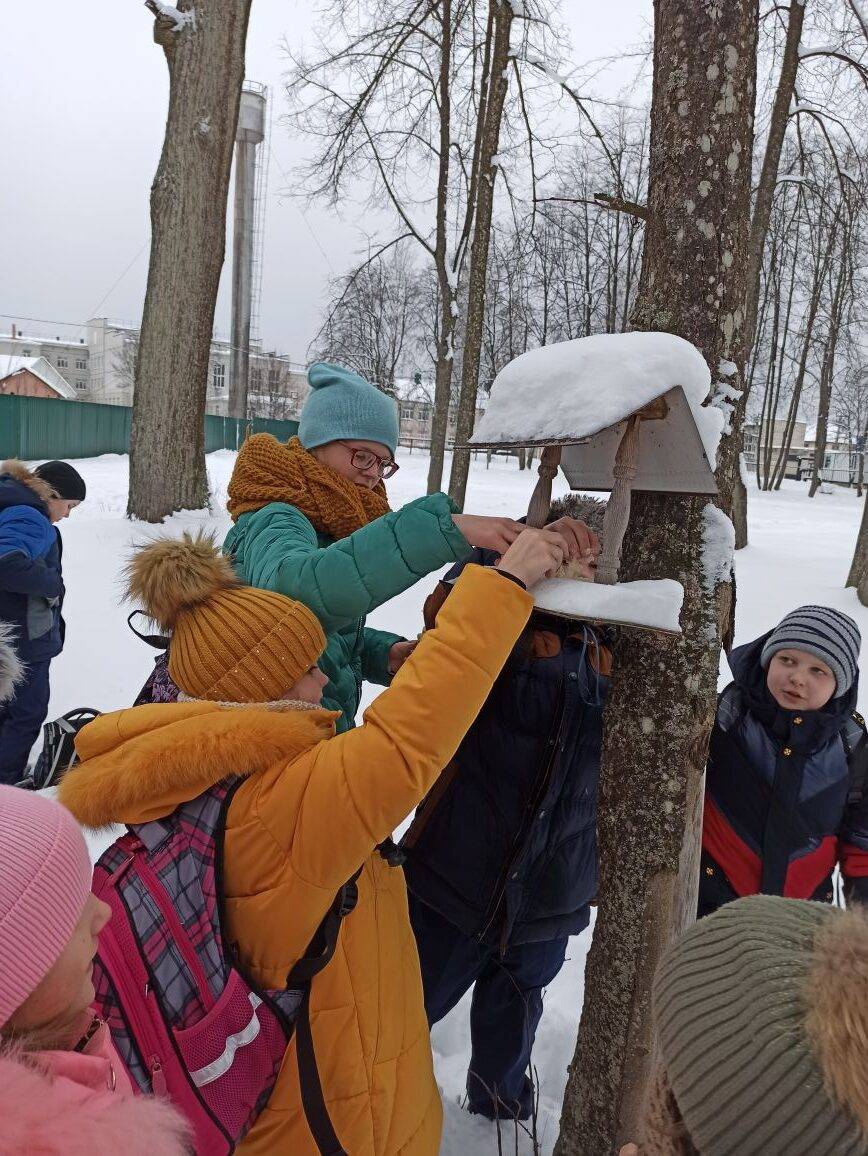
(311, 811)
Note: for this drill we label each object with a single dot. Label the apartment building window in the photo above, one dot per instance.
(62, 362)
(80, 363)
(273, 378)
(26, 352)
(218, 376)
(256, 378)
(81, 385)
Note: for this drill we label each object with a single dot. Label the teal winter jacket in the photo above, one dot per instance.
(277, 548)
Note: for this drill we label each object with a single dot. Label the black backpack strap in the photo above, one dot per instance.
(318, 954)
(855, 739)
(158, 641)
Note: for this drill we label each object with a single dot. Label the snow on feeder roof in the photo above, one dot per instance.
(616, 411)
(578, 395)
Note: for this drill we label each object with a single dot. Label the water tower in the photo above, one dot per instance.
(247, 214)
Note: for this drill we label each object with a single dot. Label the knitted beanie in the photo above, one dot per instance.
(64, 479)
(343, 406)
(230, 643)
(762, 1020)
(45, 879)
(828, 634)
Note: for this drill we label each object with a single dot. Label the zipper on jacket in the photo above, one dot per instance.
(540, 787)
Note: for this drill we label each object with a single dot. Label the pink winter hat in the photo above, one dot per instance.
(45, 879)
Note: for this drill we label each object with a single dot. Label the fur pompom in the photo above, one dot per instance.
(171, 575)
(17, 470)
(11, 670)
(837, 999)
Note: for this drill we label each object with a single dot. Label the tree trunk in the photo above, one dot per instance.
(446, 275)
(205, 54)
(858, 575)
(827, 370)
(762, 214)
(663, 697)
(492, 112)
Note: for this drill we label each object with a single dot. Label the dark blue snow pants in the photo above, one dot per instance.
(21, 719)
(505, 1011)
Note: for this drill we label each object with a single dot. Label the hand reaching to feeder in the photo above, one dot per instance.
(490, 533)
(582, 547)
(534, 555)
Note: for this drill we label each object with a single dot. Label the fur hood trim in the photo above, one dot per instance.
(138, 765)
(837, 1023)
(11, 667)
(17, 470)
(56, 1117)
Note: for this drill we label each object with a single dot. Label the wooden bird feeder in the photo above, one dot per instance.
(617, 412)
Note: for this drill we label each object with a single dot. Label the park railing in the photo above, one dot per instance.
(33, 428)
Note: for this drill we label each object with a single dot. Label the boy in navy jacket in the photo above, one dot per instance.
(784, 799)
(501, 859)
(31, 594)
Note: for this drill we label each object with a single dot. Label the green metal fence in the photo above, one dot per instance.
(39, 427)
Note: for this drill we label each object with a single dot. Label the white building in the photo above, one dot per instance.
(68, 355)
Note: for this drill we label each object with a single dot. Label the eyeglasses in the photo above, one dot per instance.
(364, 460)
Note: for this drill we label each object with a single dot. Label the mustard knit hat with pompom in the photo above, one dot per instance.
(230, 643)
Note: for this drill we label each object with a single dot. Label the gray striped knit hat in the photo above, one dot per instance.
(762, 1020)
(829, 634)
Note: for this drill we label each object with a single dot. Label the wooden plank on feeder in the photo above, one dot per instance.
(541, 498)
(617, 513)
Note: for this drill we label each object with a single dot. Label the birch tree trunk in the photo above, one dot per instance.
(662, 702)
(858, 575)
(204, 49)
(760, 220)
(491, 115)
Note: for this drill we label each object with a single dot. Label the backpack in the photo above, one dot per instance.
(58, 749)
(186, 1021)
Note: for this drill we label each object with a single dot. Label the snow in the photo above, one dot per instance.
(799, 552)
(655, 605)
(727, 368)
(182, 19)
(574, 389)
(718, 547)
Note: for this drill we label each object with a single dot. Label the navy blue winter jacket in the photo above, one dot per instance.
(505, 844)
(777, 818)
(31, 584)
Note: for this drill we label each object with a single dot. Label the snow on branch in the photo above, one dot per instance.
(168, 12)
(718, 547)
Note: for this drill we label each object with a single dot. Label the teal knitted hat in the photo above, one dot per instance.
(343, 406)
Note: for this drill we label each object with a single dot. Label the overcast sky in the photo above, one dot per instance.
(84, 91)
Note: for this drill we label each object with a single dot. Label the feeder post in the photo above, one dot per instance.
(541, 498)
(618, 509)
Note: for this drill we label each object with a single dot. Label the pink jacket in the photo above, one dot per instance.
(80, 1104)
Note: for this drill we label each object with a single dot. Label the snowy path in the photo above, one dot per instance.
(800, 552)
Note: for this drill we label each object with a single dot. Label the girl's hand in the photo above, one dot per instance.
(496, 534)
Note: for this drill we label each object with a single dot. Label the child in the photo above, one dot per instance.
(310, 811)
(31, 593)
(502, 855)
(762, 1027)
(783, 804)
(63, 1091)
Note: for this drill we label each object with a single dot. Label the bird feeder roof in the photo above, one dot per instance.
(578, 394)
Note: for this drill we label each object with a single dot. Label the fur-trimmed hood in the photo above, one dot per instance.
(11, 669)
(138, 765)
(53, 1113)
(13, 468)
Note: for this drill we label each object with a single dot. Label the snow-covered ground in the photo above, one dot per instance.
(800, 551)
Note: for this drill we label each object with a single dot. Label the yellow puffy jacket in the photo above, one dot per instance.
(310, 813)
